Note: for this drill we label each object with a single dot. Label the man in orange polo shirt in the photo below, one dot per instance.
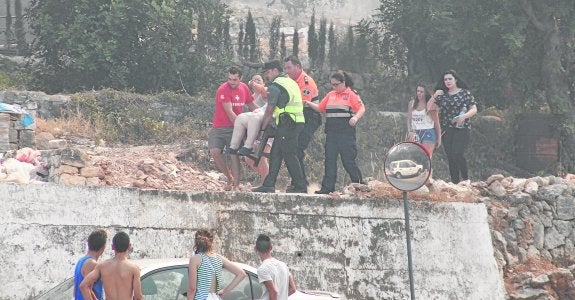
(309, 92)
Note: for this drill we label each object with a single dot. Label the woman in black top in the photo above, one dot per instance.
(456, 106)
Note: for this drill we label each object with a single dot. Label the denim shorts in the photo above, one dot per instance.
(427, 135)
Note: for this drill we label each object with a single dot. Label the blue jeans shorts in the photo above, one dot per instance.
(427, 135)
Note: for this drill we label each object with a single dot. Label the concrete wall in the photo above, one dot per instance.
(355, 247)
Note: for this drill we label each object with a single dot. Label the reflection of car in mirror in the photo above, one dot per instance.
(405, 168)
(168, 279)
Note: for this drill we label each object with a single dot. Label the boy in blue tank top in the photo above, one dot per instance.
(96, 246)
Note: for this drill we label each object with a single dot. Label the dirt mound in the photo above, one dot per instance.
(154, 167)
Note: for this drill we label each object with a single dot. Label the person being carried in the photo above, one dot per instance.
(248, 124)
(96, 246)
(120, 276)
(231, 97)
(205, 270)
(274, 274)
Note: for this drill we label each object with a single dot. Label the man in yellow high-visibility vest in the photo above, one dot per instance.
(286, 107)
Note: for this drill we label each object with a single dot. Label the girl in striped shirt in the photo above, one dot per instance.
(205, 270)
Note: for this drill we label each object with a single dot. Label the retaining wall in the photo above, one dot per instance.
(355, 247)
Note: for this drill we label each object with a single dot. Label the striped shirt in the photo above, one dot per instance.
(210, 266)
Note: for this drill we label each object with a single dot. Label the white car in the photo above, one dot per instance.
(167, 279)
(405, 168)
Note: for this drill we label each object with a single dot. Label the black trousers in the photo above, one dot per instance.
(455, 142)
(344, 145)
(284, 148)
(312, 123)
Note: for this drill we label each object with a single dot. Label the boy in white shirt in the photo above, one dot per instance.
(274, 274)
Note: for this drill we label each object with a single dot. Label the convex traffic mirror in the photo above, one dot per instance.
(407, 166)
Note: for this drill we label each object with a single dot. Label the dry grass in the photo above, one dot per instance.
(75, 125)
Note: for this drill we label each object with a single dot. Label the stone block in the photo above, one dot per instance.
(67, 179)
(4, 132)
(566, 207)
(92, 181)
(13, 135)
(30, 105)
(43, 139)
(26, 138)
(66, 169)
(92, 172)
(74, 157)
(57, 144)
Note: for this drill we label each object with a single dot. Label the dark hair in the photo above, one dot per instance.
(97, 239)
(121, 241)
(203, 241)
(427, 95)
(293, 59)
(344, 77)
(263, 243)
(274, 64)
(460, 83)
(235, 70)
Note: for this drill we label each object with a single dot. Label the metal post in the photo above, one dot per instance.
(408, 236)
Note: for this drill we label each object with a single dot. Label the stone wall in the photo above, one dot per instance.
(46, 106)
(355, 247)
(533, 219)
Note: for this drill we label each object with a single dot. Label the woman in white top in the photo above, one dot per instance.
(423, 125)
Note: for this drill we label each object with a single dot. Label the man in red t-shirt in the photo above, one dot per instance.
(231, 97)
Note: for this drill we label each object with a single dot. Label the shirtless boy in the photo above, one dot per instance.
(120, 276)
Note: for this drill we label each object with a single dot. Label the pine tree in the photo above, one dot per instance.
(274, 37)
(332, 40)
(312, 44)
(321, 43)
(295, 46)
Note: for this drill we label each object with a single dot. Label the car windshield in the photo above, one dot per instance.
(63, 291)
(170, 283)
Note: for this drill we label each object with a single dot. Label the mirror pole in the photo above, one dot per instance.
(408, 237)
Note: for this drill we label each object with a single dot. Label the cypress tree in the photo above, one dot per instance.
(295, 46)
(8, 32)
(321, 43)
(227, 37)
(312, 43)
(20, 32)
(332, 40)
(251, 36)
(274, 37)
(347, 56)
(283, 50)
(241, 42)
